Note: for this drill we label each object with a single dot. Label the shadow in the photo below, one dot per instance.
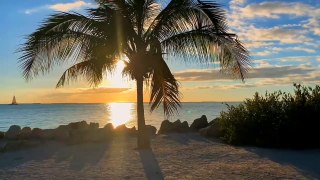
(306, 161)
(79, 156)
(186, 138)
(150, 165)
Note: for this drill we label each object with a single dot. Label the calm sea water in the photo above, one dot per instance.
(53, 115)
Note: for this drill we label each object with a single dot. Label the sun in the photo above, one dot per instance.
(120, 65)
(116, 79)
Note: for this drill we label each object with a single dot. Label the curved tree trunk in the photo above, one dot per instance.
(143, 135)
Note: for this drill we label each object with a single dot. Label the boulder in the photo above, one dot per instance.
(93, 125)
(213, 121)
(63, 127)
(37, 133)
(123, 129)
(184, 127)
(199, 123)
(166, 127)
(214, 130)
(151, 130)
(175, 127)
(13, 132)
(78, 125)
(1, 135)
(25, 133)
(61, 133)
(48, 134)
(108, 127)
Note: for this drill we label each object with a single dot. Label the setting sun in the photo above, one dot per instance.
(115, 79)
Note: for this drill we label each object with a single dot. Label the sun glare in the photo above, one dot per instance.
(120, 113)
(115, 79)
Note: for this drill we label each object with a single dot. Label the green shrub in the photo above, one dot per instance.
(277, 119)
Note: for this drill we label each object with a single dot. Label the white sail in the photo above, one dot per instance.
(14, 101)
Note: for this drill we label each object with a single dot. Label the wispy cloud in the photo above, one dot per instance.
(257, 73)
(275, 9)
(65, 7)
(299, 36)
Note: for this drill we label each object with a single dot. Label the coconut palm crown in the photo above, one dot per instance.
(146, 32)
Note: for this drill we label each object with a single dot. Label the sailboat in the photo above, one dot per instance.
(14, 101)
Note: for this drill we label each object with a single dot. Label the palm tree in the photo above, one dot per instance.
(146, 32)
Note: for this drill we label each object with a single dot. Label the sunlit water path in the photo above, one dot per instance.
(53, 115)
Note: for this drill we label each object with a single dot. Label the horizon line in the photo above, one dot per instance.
(127, 102)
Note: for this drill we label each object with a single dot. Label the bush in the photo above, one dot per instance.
(278, 119)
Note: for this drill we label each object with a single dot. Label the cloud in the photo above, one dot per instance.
(263, 53)
(242, 18)
(257, 44)
(275, 9)
(99, 90)
(88, 91)
(68, 6)
(262, 76)
(65, 7)
(313, 24)
(262, 72)
(102, 90)
(278, 34)
(276, 50)
(293, 59)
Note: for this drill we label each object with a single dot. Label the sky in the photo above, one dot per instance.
(283, 38)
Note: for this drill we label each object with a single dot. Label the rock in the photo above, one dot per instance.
(214, 130)
(25, 133)
(122, 129)
(213, 121)
(175, 127)
(79, 125)
(199, 123)
(151, 130)
(48, 134)
(13, 132)
(166, 127)
(61, 133)
(108, 127)
(37, 133)
(63, 127)
(94, 125)
(1, 135)
(184, 127)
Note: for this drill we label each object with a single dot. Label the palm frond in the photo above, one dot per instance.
(207, 47)
(62, 36)
(164, 88)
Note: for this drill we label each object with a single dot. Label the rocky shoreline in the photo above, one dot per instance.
(81, 132)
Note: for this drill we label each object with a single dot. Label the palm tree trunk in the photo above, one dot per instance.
(143, 135)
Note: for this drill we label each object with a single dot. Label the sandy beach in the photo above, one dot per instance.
(174, 156)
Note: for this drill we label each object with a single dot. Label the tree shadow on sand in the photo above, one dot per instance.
(306, 161)
(187, 138)
(150, 165)
(79, 156)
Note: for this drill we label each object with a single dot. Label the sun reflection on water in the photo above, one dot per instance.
(120, 113)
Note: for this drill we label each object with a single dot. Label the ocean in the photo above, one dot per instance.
(53, 115)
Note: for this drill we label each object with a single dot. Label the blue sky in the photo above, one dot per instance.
(283, 38)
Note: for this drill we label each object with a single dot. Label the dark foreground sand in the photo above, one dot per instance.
(176, 156)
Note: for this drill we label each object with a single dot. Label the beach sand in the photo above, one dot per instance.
(175, 156)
